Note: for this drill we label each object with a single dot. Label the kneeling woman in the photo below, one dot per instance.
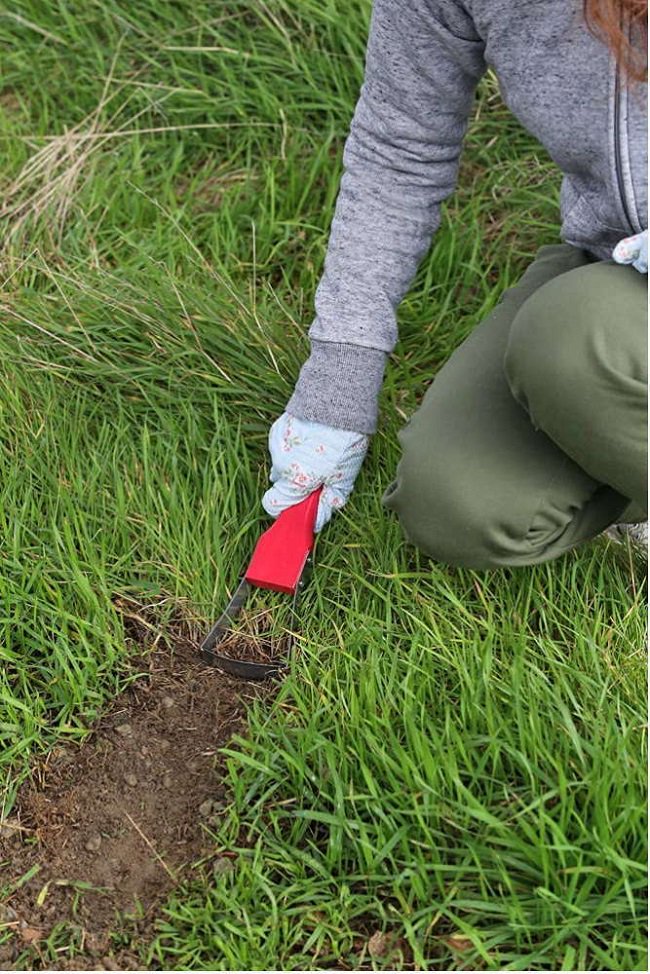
(532, 437)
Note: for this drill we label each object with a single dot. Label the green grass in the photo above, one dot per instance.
(457, 758)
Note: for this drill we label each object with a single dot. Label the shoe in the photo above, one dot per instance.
(637, 533)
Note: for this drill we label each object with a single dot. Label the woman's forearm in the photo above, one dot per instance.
(424, 60)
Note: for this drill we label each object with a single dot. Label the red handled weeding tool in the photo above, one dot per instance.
(279, 563)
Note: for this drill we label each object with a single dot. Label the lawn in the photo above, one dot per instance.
(453, 774)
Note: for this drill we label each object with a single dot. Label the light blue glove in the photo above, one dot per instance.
(634, 251)
(305, 455)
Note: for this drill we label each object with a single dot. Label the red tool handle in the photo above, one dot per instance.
(282, 551)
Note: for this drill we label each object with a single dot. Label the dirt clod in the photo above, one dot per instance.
(378, 944)
(112, 831)
(205, 808)
(222, 866)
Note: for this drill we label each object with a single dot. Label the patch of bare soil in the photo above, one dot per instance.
(111, 826)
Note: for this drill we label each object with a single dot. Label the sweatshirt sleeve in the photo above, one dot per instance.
(423, 62)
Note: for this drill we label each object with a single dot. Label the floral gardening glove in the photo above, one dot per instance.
(634, 251)
(305, 455)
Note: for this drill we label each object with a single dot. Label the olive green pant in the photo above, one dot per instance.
(532, 437)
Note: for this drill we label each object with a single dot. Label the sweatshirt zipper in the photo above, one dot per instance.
(618, 139)
(617, 149)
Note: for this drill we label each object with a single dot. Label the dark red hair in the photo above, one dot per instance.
(623, 25)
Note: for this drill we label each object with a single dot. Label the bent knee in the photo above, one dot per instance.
(454, 523)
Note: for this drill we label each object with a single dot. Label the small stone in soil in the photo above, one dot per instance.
(124, 730)
(205, 808)
(7, 913)
(168, 702)
(131, 780)
(9, 829)
(167, 781)
(93, 843)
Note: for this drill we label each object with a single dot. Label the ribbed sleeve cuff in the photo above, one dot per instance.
(339, 385)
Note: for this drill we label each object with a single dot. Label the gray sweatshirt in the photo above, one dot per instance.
(423, 62)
